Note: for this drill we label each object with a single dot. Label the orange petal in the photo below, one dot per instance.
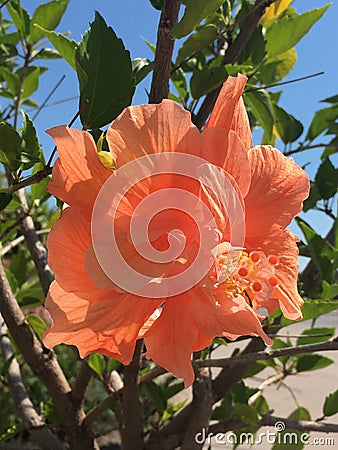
(78, 174)
(229, 110)
(224, 315)
(226, 150)
(146, 129)
(110, 325)
(67, 244)
(282, 244)
(278, 188)
(171, 339)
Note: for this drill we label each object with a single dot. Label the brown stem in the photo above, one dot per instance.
(232, 54)
(164, 50)
(35, 246)
(44, 365)
(270, 420)
(201, 409)
(39, 433)
(81, 384)
(132, 428)
(330, 345)
(33, 179)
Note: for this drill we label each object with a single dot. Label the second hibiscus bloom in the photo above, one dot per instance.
(93, 312)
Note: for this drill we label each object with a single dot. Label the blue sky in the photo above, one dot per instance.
(134, 19)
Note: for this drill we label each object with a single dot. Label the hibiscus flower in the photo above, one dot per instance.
(94, 313)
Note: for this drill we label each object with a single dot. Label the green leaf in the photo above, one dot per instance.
(38, 325)
(313, 198)
(313, 309)
(329, 290)
(5, 199)
(39, 190)
(292, 28)
(195, 12)
(11, 79)
(288, 127)
(322, 252)
(47, 53)
(261, 107)
(31, 80)
(48, 16)
(291, 439)
(96, 362)
(246, 412)
(141, 68)
(197, 42)
(327, 179)
(155, 393)
(158, 4)
(312, 362)
(321, 121)
(29, 136)
(313, 335)
(66, 47)
(331, 404)
(105, 75)
(20, 17)
(206, 80)
(225, 410)
(10, 145)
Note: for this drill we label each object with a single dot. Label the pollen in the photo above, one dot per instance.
(251, 275)
(256, 286)
(255, 256)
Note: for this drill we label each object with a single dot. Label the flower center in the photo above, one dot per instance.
(251, 275)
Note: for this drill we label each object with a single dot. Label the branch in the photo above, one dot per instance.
(201, 408)
(8, 247)
(268, 420)
(35, 246)
(81, 384)
(44, 365)
(132, 428)
(164, 50)
(33, 179)
(232, 54)
(330, 345)
(302, 148)
(40, 434)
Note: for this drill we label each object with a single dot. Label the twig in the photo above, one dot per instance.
(99, 409)
(151, 374)
(232, 54)
(44, 364)
(3, 4)
(284, 82)
(330, 345)
(308, 147)
(8, 247)
(48, 97)
(271, 380)
(40, 434)
(132, 429)
(270, 420)
(70, 124)
(33, 179)
(164, 50)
